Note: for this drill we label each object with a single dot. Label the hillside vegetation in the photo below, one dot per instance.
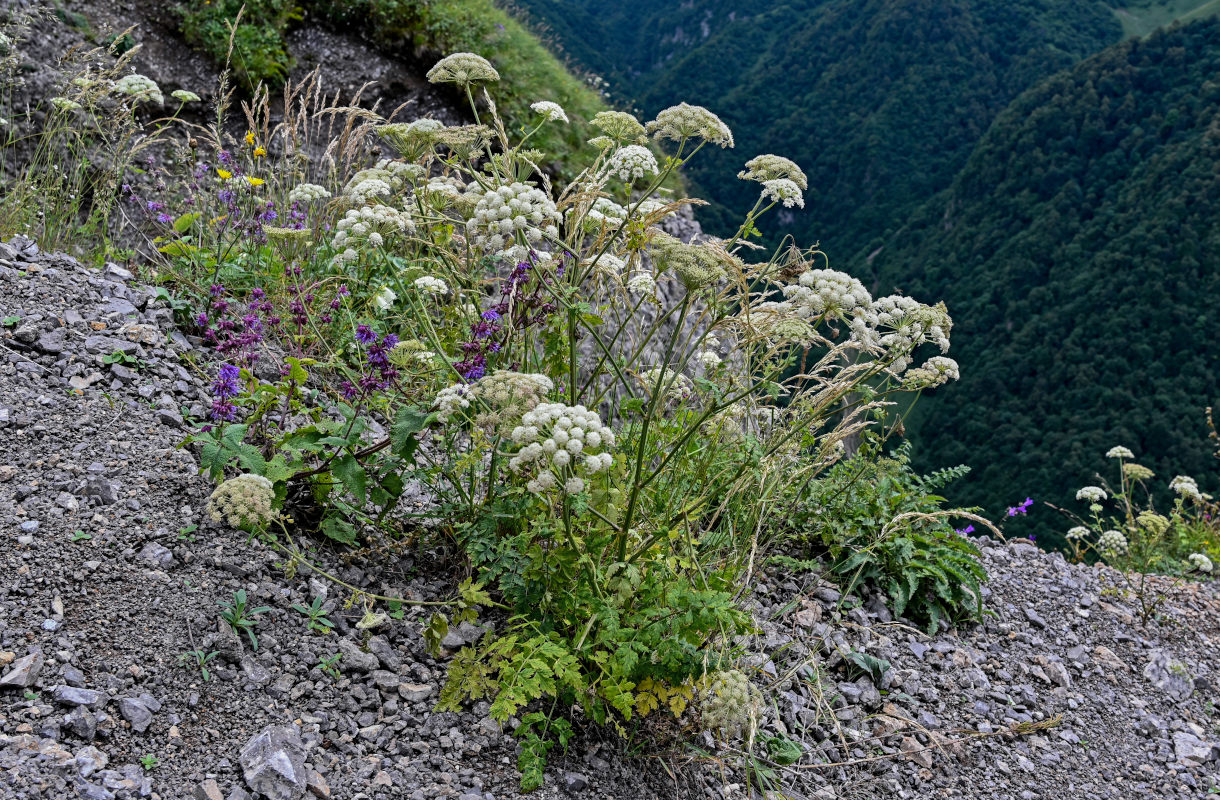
(1078, 252)
(879, 101)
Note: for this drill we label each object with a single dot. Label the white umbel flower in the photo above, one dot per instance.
(1185, 486)
(552, 111)
(769, 167)
(558, 442)
(1112, 544)
(1119, 452)
(243, 502)
(632, 163)
(430, 285)
(1091, 494)
(1200, 562)
(684, 121)
(504, 213)
(385, 299)
(782, 190)
(307, 193)
(140, 88)
(463, 69)
(642, 283)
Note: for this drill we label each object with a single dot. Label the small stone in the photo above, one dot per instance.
(135, 712)
(916, 752)
(1192, 751)
(273, 763)
(575, 782)
(156, 554)
(89, 760)
(29, 526)
(414, 692)
(354, 659)
(317, 785)
(255, 672)
(82, 722)
(23, 673)
(75, 696)
(208, 790)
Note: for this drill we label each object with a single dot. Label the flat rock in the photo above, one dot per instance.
(273, 763)
(23, 672)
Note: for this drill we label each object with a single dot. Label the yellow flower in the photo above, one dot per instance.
(224, 173)
(260, 151)
(249, 137)
(255, 181)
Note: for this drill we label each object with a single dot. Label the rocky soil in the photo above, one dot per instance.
(112, 571)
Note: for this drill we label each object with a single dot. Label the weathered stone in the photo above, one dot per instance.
(75, 696)
(1192, 751)
(273, 763)
(317, 785)
(1169, 676)
(23, 673)
(208, 790)
(414, 692)
(135, 712)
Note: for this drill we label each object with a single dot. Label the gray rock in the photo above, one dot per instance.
(1058, 674)
(157, 554)
(414, 692)
(135, 712)
(29, 526)
(75, 696)
(103, 490)
(82, 722)
(255, 672)
(354, 659)
(89, 760)
(1169, 676)
(575, 782)
(273, 763)
(208, 790)
(23, 672)
(1191, 751)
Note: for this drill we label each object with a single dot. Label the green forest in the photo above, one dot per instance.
(1049, 177)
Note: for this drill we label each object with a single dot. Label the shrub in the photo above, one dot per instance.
(252, 43)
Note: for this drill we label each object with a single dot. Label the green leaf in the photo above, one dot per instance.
(352, 475)
(408, 422)
(340, 530)
(296, 372)
(184, 223)
(783, 750)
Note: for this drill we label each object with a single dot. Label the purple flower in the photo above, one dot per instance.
(1021, 508)
(365, 335)
(164, 218)
(964, 531)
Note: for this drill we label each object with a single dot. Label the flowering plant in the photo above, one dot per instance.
(597, 409)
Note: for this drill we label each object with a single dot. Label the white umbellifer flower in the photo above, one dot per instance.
(183, 96)
(828, 295)
(64, 104)
(730, 704)
(462, 69)
(604, 211)
(908, 324)
(552, 111)
(608, 264)
(619, 126)
(677, 387)
(1112, 544)
(632, 162)
(1078, 533)
(508, 212)
(1185, 486)
(430, 285)
(367, 189)
(709, 359)
(412, 139)
(1119, 452)
(559, 441)
(1200, 562)
(1092, 494)
(452, 400)
(649, 207)
(642, 283)
(683, 121)
(243, 502)
(307, 193)
(139, 88)
(385, 298)
(769, 167)
(782, 190)
(385, 177)
(358, 223)
(936, 371)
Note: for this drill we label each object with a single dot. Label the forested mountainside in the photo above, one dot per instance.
(880, 101)
(1079, 251)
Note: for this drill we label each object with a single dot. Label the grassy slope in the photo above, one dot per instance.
(1142, 18)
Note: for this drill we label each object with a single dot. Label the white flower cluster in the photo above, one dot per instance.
(632, 162)
(769, 167)
(1091, 494)
(641, 282)
(65, 104)
(243, 502)
(1119, 451)
(910, 324)
(709, 359)
(308, 193)
(462, 69)
(385, 178)
(552, 111)
(368, 224)
(730, 704)
(1185, 486)
(184, 96)
(1078, 533)
(409, 352)
(677, 387)
(832, 295)
(782, 190)
(604, 211)
(503, 214)
(608, 264)
(1200, 562)
(431, 286)
(936, 371)
(1112, 544)
(508, 396)
(139, 88)
(619, 126)
(452, 400)
(683, 121)
(559, 440)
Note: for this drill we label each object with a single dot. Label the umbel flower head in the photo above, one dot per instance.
(508, 211)
(620, 127)
(782, 190)
(412, 139)
(730, 703)
(936, 371)
(769, 167)
(1200, 562)
(243, 502)
(1137, 472)
(552, 111)
(1185, 486)
(1112, 544)
(307, 193)
(1119, 452)
(632, 162)
(684, 121)
(696, 265)
(1091, 494)
(463, 69)
(140, 89)
(558, 443)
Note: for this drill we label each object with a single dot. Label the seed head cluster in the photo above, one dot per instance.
(730, 703)
(243, 502)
